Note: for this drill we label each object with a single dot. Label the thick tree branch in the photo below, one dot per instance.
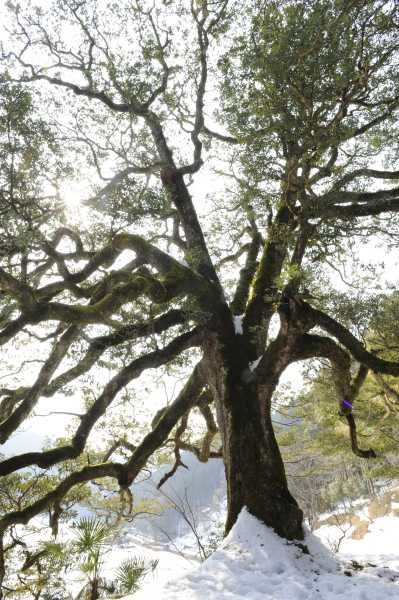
(351, 343)
(88, 420)
(123, 473)
(57, 354)
(120, 287)
(260, 309)
(197, 254)
(96, 348)
(247, 272)
(364, 172)
(12, 328)
(309, 346)
(346, 204)
(345, 197)
(90, 473)
(298, 253)
(372, 208)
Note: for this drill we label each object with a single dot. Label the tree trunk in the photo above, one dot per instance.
(255, 471)
(2, 566)
(254, 468)
(94, 591)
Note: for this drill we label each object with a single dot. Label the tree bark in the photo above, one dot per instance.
(254, 468)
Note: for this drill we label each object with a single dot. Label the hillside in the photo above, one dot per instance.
(254, 563)
(354, 551)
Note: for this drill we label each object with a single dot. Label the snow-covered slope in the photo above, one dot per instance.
(255, 564)
(200, 490)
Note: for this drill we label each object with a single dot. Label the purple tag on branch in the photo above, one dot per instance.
(347, 404)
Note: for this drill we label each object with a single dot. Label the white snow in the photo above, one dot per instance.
(205, 503)
(380, 543)
(255, 564)
(238, 324)
(255, 363)
(171, 564)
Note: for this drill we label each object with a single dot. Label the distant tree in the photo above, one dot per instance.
(293, 104)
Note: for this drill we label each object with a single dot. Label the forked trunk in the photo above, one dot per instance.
(255, 471)
(254, 468)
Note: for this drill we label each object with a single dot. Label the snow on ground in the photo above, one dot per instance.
(238, 324)
(378, 550)
(205, 504)
(255, 564)
(382, 538)
(171, 564)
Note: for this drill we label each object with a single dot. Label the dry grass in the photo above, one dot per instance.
(380, 507)
(360, 530)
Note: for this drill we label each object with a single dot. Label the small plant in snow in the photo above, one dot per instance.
(214, 539)
(131, 573)
(335, 543)
(92, 537)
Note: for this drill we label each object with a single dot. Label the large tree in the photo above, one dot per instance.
(294, 105)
